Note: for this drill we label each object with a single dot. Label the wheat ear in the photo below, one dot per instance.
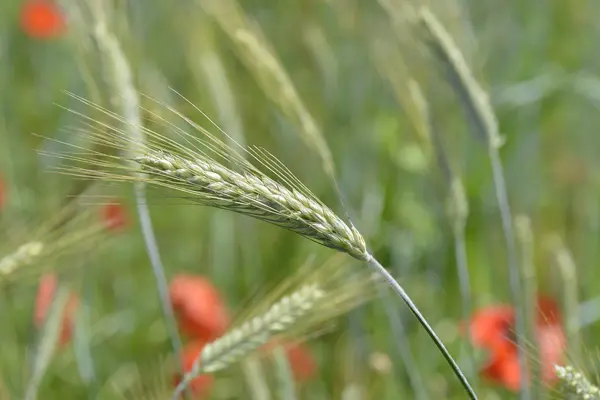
(240, 342)
(576, 383)
(166, 163)
(257, 196)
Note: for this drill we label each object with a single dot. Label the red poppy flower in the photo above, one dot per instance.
(301, 361)
(42, 19)
(43, 302)
(201, 385)
(114, 216)
(492, 328)
(200, 310)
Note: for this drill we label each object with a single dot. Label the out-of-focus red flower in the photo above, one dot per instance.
(114, 216)
(200, 310)
(43, 302)
(42, 19)
(301, 361)
(492, 328)
(2, 193)
(201, 385)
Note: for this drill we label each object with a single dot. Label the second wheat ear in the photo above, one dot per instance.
(196, 166)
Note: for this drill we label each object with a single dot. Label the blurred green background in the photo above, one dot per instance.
(537, 60)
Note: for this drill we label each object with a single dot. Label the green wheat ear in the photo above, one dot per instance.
(202, 173)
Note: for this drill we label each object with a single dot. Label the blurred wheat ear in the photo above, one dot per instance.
(72, 230)
(196, 166)
(238, 343)
(303, 304)
(576, 384)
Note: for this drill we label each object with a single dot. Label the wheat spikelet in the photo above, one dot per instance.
(576, 383)
(240, 342)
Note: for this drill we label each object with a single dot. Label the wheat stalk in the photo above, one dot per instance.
(240, 342)
(576, 383)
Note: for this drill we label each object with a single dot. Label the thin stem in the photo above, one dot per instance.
(513, 264)
(462, 268)
(157, 266)
(402, 347)
(373, 263)
(526, 246)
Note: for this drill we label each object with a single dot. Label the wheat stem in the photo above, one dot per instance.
(373, 263)
(526, 246)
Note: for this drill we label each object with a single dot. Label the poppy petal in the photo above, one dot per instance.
(552, 344)
(199, 307)
(489, 325)
(42, 19)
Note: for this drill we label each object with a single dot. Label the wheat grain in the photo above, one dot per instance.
(240, 342)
